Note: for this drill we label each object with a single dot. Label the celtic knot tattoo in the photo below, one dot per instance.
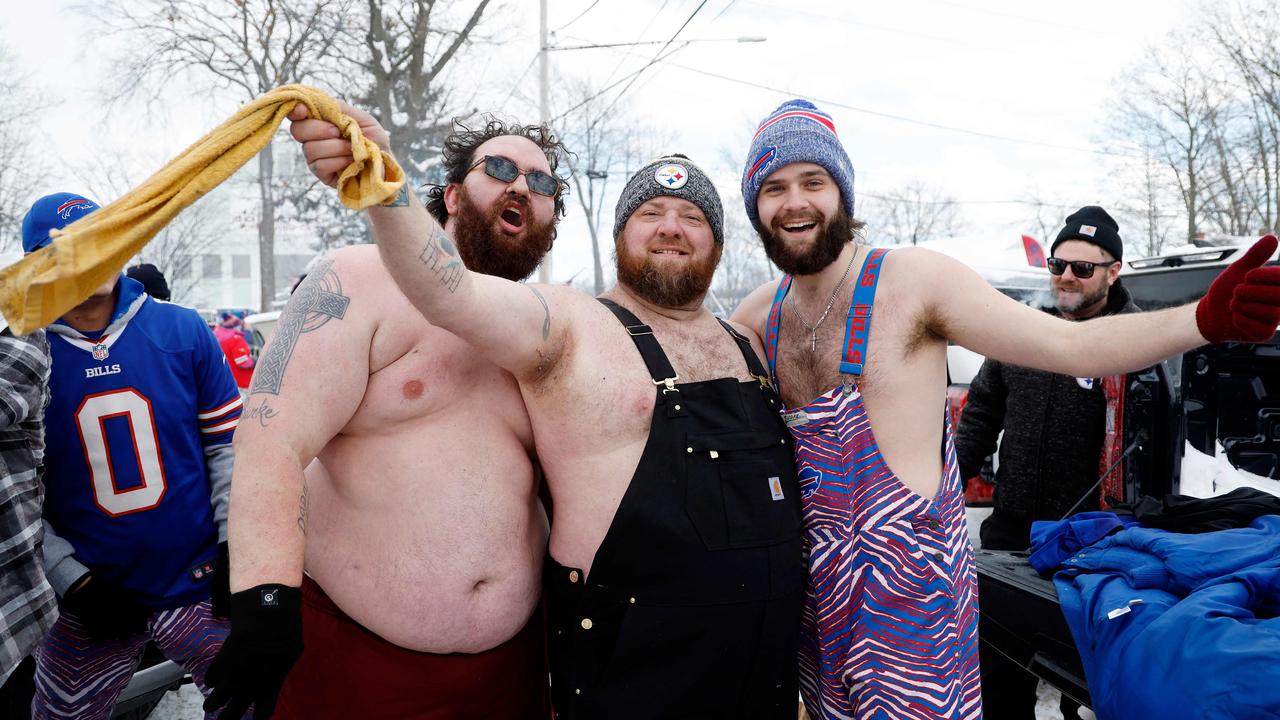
(317, 300)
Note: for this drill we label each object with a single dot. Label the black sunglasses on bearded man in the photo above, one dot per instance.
(505, 170)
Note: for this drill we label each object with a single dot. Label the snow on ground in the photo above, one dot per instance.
(1205, 476)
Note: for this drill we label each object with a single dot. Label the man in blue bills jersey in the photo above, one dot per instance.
(138, 471)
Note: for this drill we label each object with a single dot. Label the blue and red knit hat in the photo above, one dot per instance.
(796, 132)
(52, 212)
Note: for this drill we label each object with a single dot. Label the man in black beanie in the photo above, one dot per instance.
(152, 280)
(1053, 429)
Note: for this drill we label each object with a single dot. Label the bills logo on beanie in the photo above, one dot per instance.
(676, 176)
(795, 132)
(52, 212)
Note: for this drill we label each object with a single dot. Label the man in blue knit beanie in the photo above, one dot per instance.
(856, 340)
(905, 635)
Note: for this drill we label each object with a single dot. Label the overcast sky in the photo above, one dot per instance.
(917, 89)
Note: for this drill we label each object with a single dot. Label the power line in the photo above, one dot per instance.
(644, 30)
(903, 118)
(725, 10)
(864, 194)
(576, 17)
(871, 26)
(657, 55)
(600, 92)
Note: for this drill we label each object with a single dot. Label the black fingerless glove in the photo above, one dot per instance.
(265, 642)
(107, 611)
(220, 601)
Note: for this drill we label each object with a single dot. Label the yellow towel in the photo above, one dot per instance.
(44, 285)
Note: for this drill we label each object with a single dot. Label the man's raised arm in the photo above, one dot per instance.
(1242, 304)
(511, 323)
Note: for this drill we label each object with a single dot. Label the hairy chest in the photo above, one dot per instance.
(808, 362)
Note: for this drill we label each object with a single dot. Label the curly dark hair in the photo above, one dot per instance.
(459, 154)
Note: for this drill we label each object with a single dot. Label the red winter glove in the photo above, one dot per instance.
(1243, 303)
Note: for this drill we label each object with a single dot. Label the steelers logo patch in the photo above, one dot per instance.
(672, 177)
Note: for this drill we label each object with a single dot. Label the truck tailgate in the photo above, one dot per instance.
(1020, 617)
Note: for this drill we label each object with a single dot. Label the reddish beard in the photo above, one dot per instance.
(486, 249)
(831, 239)
(662, 284)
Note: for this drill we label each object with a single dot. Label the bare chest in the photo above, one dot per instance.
(808, 363)
(608, 392)
(420, 371)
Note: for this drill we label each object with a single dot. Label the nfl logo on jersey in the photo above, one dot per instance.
(100, 352)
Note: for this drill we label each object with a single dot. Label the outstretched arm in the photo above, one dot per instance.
(517, 326)
(1242, 304)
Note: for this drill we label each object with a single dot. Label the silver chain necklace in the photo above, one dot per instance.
(831, 301)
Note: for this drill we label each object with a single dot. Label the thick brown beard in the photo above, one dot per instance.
(834, 234)
(486, 249)
(670, 288)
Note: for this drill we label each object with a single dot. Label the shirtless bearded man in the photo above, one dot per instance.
(890, 621)
(401, 461)
(674, 579)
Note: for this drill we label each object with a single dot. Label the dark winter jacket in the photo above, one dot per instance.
(1053, 429)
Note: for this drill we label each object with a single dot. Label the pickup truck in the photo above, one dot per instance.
(1209, 402)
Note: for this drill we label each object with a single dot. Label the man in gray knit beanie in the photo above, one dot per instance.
(680, 203)
(674, 175)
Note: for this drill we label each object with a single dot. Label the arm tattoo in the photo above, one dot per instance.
(402, 197)
(317, 300)
(441, 258)
(546, 313)
(302, 508)
(262, 412)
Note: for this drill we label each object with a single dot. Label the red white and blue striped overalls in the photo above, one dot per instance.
(890, 625)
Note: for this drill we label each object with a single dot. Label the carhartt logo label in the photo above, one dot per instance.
(795, 418)
(269, 598)
(775, 488)
(1089, 230)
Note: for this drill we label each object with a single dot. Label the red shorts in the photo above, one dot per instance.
(348, 672)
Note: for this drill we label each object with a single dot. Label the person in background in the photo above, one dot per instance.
(1053, 429)
(152, 280)
(27, 601)
(231, 337)
(137, 476)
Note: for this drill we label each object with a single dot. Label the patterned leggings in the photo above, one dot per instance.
(80, 678)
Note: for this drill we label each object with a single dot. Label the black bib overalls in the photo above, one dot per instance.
(692, 609)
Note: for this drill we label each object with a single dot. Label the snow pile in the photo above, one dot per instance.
(1212, 475)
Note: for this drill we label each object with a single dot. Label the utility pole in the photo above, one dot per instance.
(544, 107)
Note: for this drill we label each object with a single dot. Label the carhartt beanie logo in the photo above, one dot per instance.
(795, 132)
(674, 175)
(1093, 225)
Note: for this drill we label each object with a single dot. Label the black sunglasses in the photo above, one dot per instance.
(500, 168)
(1082, 269)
